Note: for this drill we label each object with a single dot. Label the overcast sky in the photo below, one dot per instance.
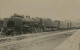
(53, 9)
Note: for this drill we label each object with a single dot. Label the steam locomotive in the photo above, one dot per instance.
(19, 24)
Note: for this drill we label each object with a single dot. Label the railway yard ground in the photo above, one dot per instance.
(35, 41)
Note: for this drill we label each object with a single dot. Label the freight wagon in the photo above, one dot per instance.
(75, 25)
(61, 24)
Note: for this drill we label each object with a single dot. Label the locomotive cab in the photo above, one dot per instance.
(11, 25)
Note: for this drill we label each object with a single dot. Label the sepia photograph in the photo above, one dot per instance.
(39, 24)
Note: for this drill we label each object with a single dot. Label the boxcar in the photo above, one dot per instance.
(75, 25)
(61, 24)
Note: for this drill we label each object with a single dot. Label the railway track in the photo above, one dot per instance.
(21, 37)
(26, 36)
